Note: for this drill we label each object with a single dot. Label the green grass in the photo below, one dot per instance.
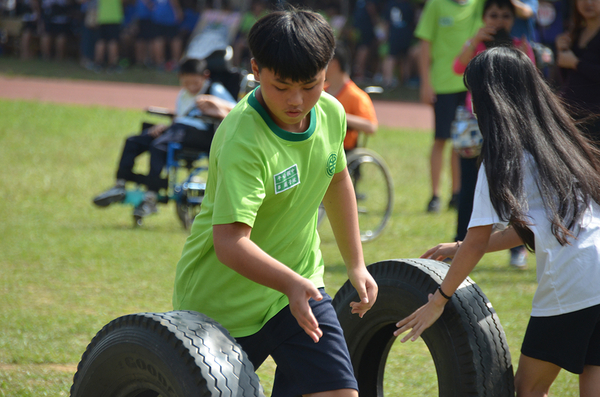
(67, 268)
(71, 69)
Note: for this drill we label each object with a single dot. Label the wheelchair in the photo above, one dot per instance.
(373, 187)
(186, 166)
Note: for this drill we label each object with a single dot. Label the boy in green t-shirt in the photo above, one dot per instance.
(252, 261)
(443, 28)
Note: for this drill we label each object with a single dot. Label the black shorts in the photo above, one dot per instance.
(57, 29)
(303, 366)
(445, 111)
(29, 26)
(109, 32)
(570, 340)
(166, 31)
(146, 30)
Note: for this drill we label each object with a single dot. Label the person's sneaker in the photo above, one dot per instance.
(453, 203)
(147, 207)
(115, 194)
(434, 204)
(518, 257)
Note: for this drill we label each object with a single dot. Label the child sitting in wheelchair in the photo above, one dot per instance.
(198, 96)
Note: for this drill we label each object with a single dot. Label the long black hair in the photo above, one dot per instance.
(517, 113)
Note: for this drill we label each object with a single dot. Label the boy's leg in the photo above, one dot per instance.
(444, 110)
(335, 393)
(134, 146)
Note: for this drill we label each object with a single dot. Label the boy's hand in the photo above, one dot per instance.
(367, 289)
(485, 33)
(299, 294)
(213, 106)
(156, 130)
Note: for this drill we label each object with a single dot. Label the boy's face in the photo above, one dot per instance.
(499, 18)
(192, 83)
(286, 101)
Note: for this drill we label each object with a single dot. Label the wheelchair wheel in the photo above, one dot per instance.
(374, 191)
(138, 221)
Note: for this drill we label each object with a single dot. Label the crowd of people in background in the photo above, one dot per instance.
(113, 34)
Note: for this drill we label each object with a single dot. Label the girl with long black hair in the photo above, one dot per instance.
(539, 180)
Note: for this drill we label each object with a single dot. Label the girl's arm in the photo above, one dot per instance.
(499, 241)
(340, 205)
(467, 257)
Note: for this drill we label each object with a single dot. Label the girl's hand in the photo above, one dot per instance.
(422, 318)
(567, 59)
(442, 251)
(563, 42)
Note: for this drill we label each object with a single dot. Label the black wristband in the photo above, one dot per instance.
(442, 293)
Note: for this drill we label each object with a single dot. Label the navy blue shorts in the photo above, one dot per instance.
(303, 366)
(146, 30)
(445, 111)
(570, 340)
(109, 32)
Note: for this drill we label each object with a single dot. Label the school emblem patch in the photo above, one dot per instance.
(286, 179)
(331, 162)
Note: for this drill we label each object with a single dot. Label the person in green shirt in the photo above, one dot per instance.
(252, 261)
(109, 19)
(444, 27)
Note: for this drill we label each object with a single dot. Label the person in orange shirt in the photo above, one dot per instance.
(360, 113)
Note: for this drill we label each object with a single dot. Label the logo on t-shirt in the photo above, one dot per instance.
(331, 161)
(446, 21)
(286, 179)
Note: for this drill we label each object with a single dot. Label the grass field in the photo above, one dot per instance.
(67, 268)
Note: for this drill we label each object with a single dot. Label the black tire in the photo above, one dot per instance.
(467, 343)
(179, 354)
(374, 191)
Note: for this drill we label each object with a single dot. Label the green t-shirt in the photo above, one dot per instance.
(272, 180)
(447, 25)
(110, 12)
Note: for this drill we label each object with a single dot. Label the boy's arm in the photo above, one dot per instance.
(234, 248)
(361, 124)
(214, 106)
(426, 92)
(340, 205)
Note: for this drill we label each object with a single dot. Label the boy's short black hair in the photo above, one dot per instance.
(294, 44)
(500, 4)
(342, 55)
(193, 66)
